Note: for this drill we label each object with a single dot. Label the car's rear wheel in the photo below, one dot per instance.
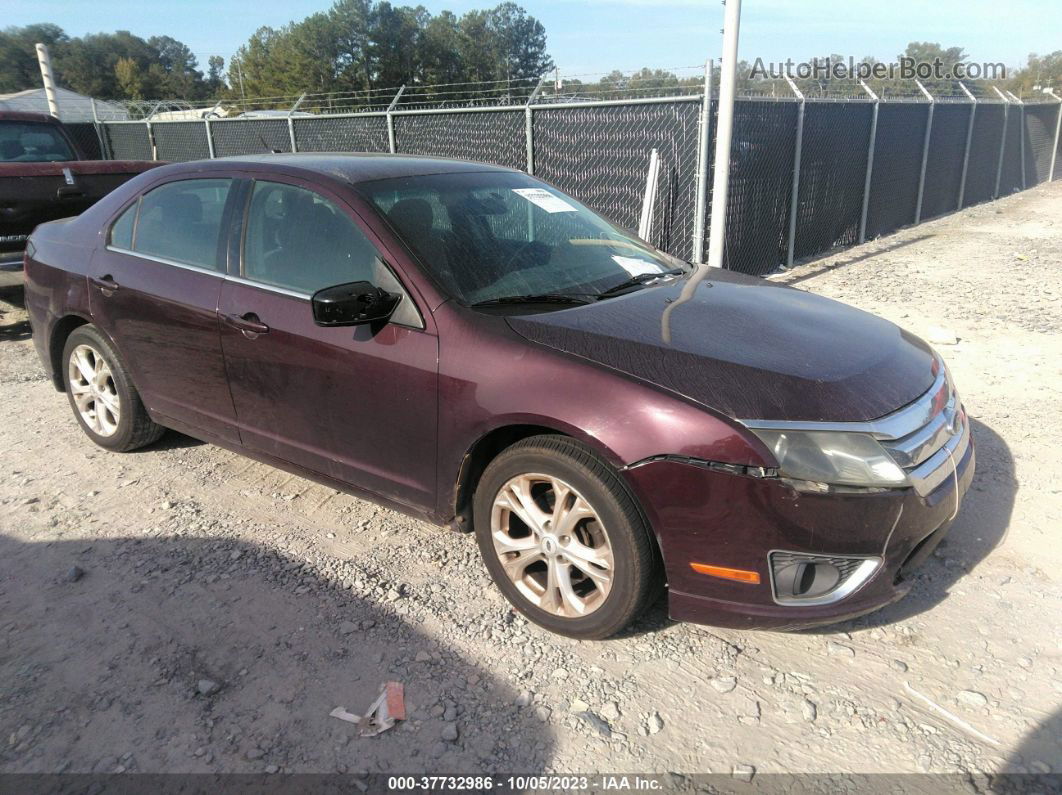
(105, 404)
(563, 538)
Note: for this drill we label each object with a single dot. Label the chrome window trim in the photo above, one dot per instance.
(272, 288)
(240, 280)
(164, 261)
(900, 423)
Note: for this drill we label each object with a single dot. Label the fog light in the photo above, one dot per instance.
(798, 579)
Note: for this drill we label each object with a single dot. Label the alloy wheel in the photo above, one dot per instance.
(92, 387)
(552, 545)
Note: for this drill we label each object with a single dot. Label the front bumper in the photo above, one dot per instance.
(735, 521)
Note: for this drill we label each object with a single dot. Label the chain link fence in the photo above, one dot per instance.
(600, 155)
(983, 161)
(944, 160)
(898, 148)
(833, 166)
(361, 133)
(866, 167)
(761, 178)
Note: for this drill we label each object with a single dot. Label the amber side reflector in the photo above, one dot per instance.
(751, 577)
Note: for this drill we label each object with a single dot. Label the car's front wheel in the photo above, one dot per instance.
(101, 393)
(563, 539)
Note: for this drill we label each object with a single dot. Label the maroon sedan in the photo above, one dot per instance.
(469, 345)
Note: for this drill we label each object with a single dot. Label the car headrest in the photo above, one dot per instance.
(11, 149)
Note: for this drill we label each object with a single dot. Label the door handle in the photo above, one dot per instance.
(248, 323)
(69, 192)
(105, 283)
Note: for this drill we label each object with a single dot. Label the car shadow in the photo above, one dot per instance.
(1039, 754)
(14, 326)
(875, 251)
(979, 528)
(214, 655)
(171, 440)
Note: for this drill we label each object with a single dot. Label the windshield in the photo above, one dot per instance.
(27, 142)
(491, 235)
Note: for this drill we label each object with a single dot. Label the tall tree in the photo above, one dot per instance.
(18, 54)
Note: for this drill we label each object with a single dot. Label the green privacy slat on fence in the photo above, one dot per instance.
(341, 134)
(180, 140)
(496, 138)
(947, 143)
(897, 166)
(600, 155)
(984, 153)
(1039, 139)
(833, 166)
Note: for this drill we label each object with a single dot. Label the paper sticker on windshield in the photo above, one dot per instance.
(635, 266)
(546, 200)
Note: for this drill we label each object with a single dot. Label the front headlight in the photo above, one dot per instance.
(833, 457)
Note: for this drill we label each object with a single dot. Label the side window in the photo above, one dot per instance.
(122, 231)
(181, 221)
(299, 240)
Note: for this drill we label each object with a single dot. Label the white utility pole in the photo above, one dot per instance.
(721, 180)
(45, 62)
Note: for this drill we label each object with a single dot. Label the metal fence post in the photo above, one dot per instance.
(724, 131)
(1021, 141)
(703, 142)
(969, 139)
(291, 122)
(1002, 140)
(1058, 124)
(391, 121)
(529, 134)
(870, 162)
(795, 191)
(210, 138)
(925, 152)
(99, 131)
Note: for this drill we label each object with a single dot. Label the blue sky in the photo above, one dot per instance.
(589, 36)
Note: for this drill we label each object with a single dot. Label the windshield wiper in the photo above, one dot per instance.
(640, 279)
(541, 298)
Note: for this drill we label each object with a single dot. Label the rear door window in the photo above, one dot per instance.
(181, 221)
(122, 231)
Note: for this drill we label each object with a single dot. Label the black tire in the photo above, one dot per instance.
(134, 427)
(635, 575)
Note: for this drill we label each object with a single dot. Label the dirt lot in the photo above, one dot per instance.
(204, 571)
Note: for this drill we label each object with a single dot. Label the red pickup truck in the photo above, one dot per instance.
(45, 176)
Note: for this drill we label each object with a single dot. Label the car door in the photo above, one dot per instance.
(154, 288)
(357, 404)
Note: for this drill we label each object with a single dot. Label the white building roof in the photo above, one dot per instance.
(72, 106)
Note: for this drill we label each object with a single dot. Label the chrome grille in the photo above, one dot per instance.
(927, 451)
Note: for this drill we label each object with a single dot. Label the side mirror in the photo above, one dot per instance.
(352, 304)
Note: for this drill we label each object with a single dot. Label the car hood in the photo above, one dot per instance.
(748, 348)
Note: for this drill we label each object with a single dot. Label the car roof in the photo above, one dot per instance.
(22, 115)
(354, 167)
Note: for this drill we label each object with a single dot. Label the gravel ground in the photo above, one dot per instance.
(185, 609)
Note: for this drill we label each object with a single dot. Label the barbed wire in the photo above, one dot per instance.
(553, 87)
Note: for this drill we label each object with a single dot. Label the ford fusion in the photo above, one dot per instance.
(471, 346)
